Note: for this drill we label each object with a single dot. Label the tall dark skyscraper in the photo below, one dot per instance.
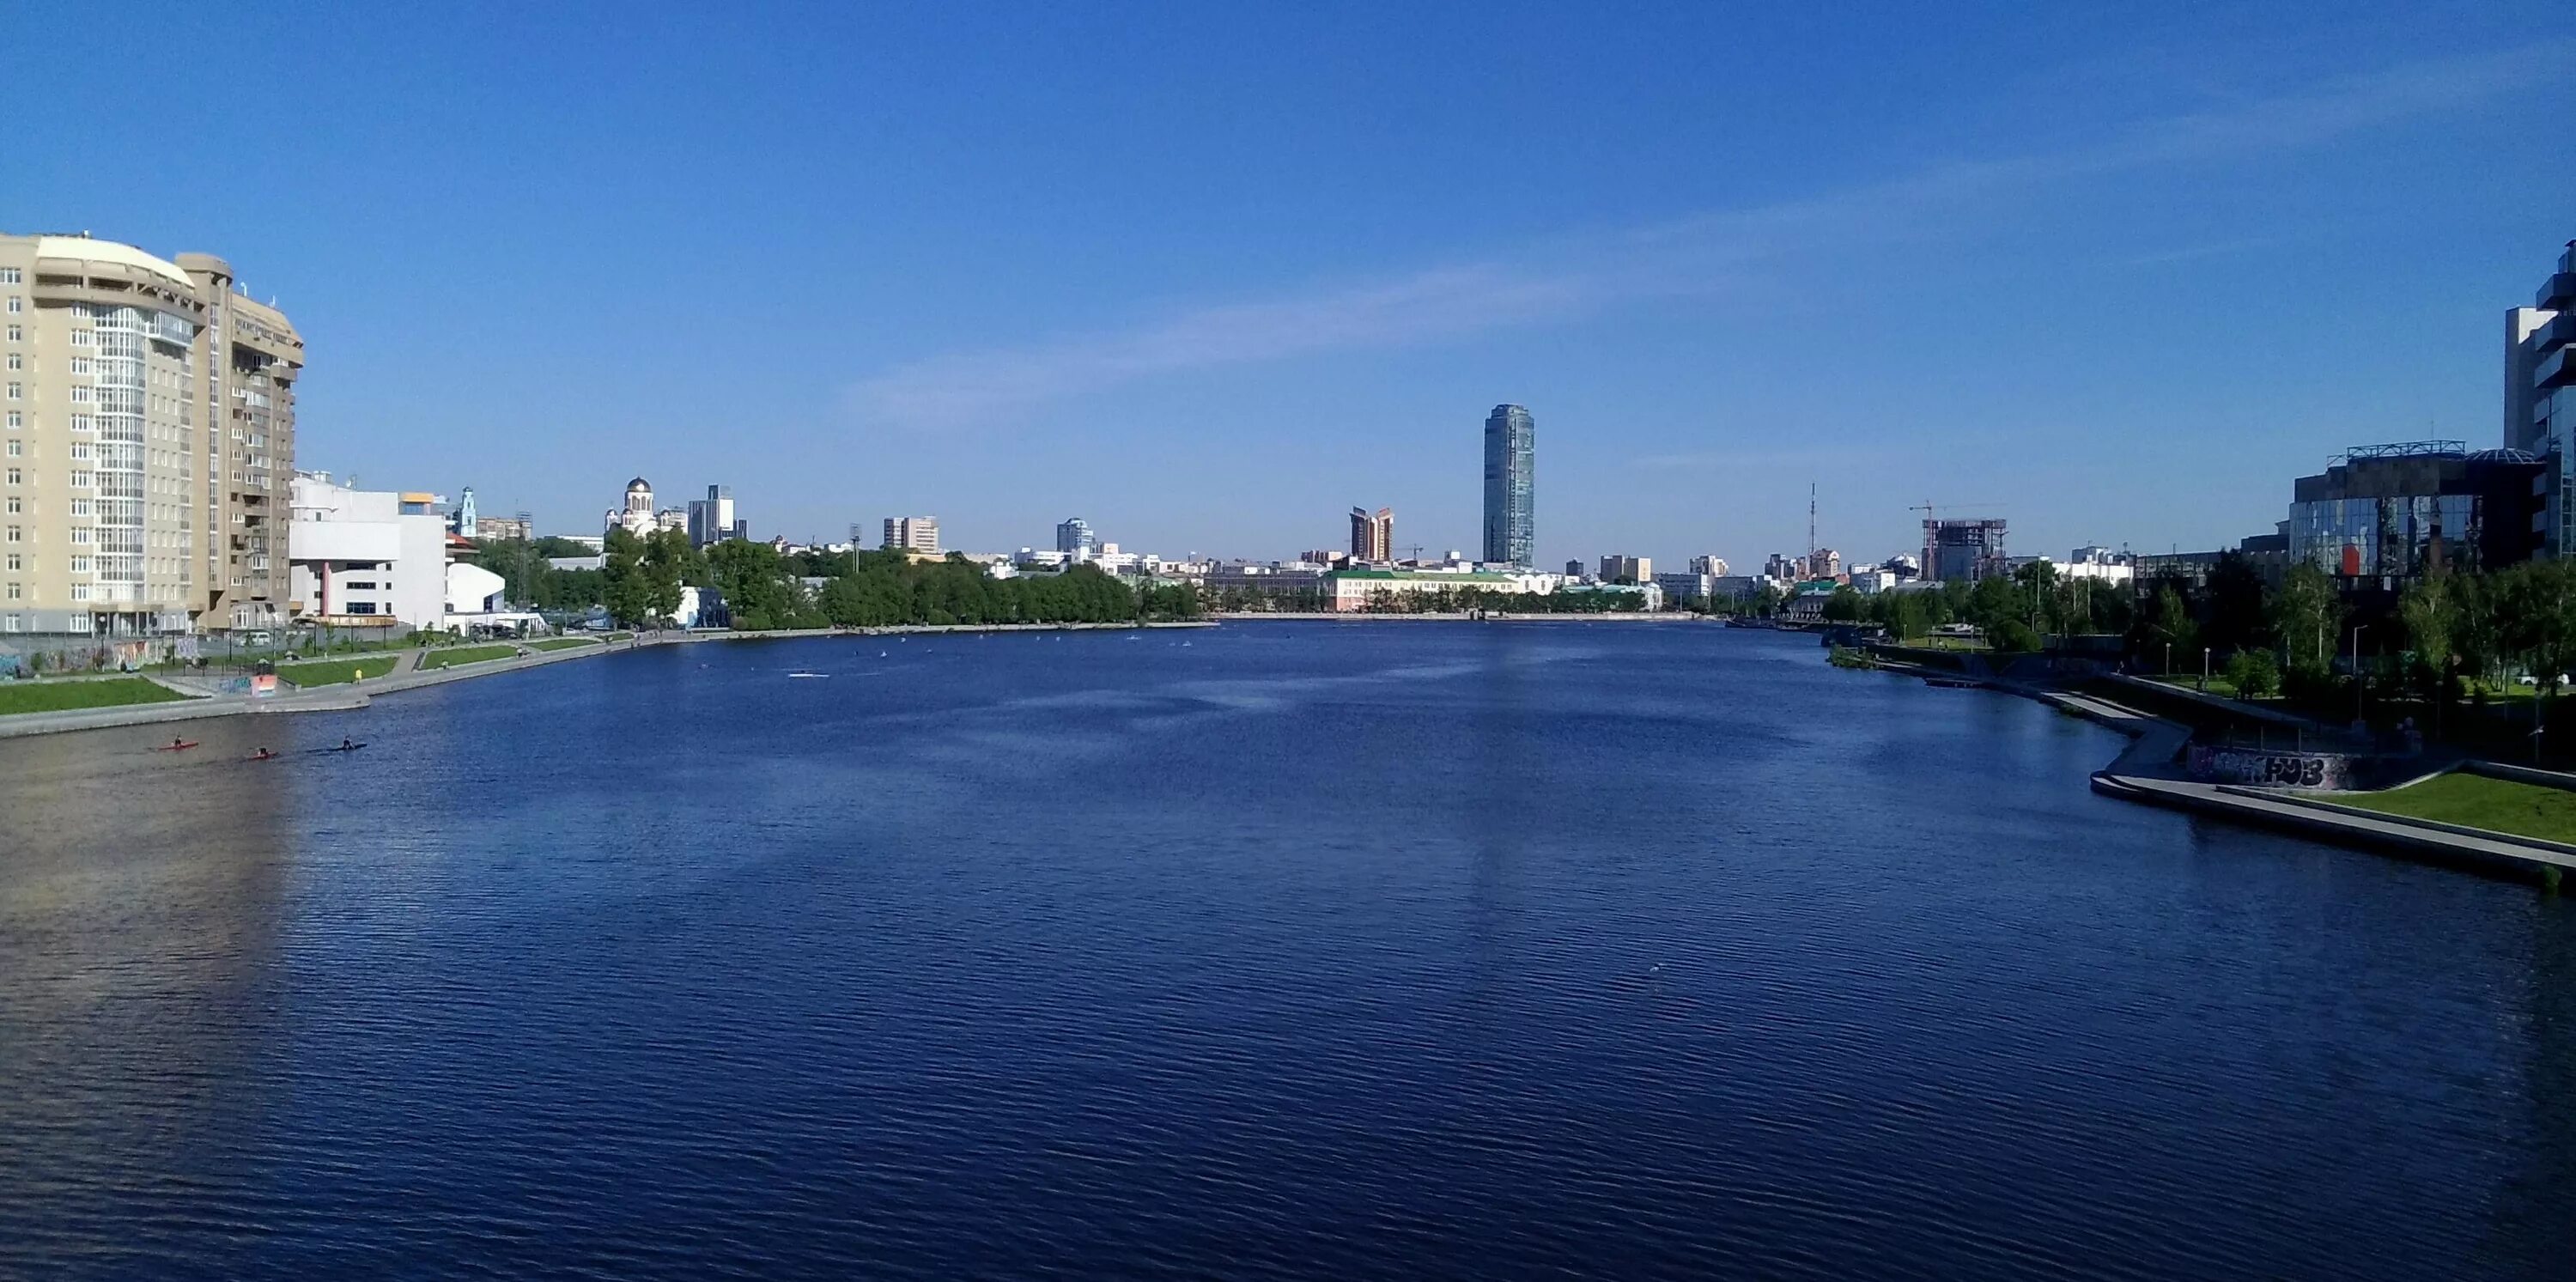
(1510, 527)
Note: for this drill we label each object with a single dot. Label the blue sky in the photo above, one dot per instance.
(1209, 275)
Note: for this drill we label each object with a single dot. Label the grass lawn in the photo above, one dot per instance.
(465, 654)
(621, 636)
(564, 643)
(333, 672)
(2218, 685)
(2478, 802)
(59, 696)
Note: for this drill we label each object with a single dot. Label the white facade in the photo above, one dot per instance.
(471, 589)
(361, 556)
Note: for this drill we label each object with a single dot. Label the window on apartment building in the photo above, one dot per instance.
(16, 563)
(80, 565)
(16, 593)
(12, 505)
(17, 534)
(17, 335)
(83, 480)
(80, 591)
(81, 535)
(15, 306)
(80, 507)
(16, 393)
(15, 447)
(80, 395)
(8, 275)
(16, 421)
(16, 477)
(16, 361)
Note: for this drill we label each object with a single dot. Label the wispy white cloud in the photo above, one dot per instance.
(1581, 275)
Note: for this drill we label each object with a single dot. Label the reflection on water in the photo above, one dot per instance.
(1302, 951)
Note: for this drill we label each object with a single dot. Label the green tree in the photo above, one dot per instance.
(2307, 614)
(2254, 673)
(666, 564)
(2431, 617)
(2236, 619)
(2167, 629)
(625, 588)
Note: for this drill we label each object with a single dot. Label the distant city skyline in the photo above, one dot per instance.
(1908, 256)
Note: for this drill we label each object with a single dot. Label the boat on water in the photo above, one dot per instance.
(808, 674)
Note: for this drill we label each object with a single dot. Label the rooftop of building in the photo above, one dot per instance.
(1430, 576)
(89, 249)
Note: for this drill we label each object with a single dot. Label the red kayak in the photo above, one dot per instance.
(176, 747)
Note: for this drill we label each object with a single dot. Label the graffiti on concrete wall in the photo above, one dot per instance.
(2264, 769)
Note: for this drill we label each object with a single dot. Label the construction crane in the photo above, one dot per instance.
(1925, 507)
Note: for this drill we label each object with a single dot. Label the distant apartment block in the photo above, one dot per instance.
(913, 533)
(1373, 535)
(1627, 569)
(502, 529)
(147, 442)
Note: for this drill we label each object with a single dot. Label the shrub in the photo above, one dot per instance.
(2254, 673)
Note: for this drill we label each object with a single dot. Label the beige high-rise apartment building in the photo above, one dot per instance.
(912, 533)
(147, 442)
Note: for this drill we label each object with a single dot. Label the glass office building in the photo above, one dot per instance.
(2384, 514)
(1510, 526)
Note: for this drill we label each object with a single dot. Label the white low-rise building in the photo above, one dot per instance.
(364, 557)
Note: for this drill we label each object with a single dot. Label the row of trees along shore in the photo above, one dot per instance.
(2446, 638)
(641, 576)
(1314, 600)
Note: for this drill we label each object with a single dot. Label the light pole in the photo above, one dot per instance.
(2204, 669)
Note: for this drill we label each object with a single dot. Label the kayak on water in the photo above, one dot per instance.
(177, 745)
(264, 755)
(342, 746)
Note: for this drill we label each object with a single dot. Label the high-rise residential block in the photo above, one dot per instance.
(1510, 449)
(1373, 534)
(147, 432)
(2540, 397)
(912, 533)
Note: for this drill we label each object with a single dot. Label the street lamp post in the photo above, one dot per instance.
(2204, 669)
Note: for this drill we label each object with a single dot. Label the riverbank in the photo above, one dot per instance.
(1453, 616)
(412, 672)
(2149, 771)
